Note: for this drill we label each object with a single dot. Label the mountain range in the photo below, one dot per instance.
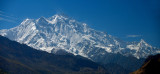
(61, 34)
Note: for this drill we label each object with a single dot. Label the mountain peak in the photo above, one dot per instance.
(41, 21)
(58, 16)
(55, 18)
(26, 21)
(142, 43)
(41, 18)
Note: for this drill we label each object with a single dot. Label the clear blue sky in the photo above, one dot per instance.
(127, 19)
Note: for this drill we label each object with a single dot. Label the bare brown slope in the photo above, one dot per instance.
(151, 66)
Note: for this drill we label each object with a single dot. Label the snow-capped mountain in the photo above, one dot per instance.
(64, 33)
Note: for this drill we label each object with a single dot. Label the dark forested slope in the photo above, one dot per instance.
(16, 58)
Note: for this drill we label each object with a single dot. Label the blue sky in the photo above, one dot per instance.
(127, 19)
